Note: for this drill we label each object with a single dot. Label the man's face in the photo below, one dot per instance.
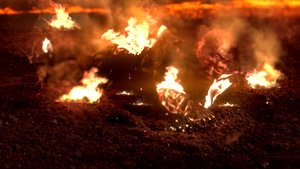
(212, 54)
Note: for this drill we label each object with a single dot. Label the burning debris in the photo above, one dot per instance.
(137, 36)
(171, 93)
(228, 105)
(88, 91)
(217, 88)
(125, 93)
(266, 78)
(62, 20)
(47, 46)
(213, 55)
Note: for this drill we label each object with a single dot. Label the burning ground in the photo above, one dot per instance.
(126, 126)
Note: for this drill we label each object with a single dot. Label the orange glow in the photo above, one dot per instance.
(47, 46)
(62, 20)
(51, 10)
(170, 92)
(8, 11)
(136, 38)
(88, 90)
(273, 3)
(217, 88)
(196, 9)
(267, 77)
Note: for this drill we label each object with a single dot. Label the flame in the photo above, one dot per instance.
(196, 9)
(62, 20)
(136, 38)
(47, 46)
(71, 9)
(228, 105)
(171, 93)
(88, 90)
(272, 3)
(217, 88)
(266, 78)
(171, 81)
(8, 11)
(125, 93)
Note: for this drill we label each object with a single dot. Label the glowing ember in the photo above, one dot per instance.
(266, 78)
(125, 93)
(88, 90)
(217, 88)
(140, 103)
(62, 20)
(171, 93)
(228, 105)
(47, 46)
(136, 38)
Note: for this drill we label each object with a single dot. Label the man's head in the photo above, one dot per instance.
(213, 52)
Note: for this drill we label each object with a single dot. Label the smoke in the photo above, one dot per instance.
(255, 44)
(267, 48)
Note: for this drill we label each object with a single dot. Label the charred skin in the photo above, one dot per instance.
(188, 111)
(213, 53)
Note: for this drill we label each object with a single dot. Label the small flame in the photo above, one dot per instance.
(47, 46)
(125, 93)
(171, 93)
(88, 90)
(62, 20)
(137, 37)
(217, 88)
(228, 105)
(171, 81)
(266, 78)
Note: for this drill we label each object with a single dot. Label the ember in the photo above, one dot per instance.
(88, 90)
(137, 37)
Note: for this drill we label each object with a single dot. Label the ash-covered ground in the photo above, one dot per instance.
(263, 131)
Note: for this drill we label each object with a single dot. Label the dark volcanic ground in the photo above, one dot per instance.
(37, 132)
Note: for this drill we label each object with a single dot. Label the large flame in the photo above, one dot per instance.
(62, 20)
(88, 90)
(136, 38)
(47, 46)
(217, 88)
(267, 77)
(170, 92)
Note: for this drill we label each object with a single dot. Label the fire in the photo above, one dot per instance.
(7, 11)
(217, 88)
(196, 9)
(266, 78)
(228, 105)
(136, 38)
(62, 20)
(88, 90)
(71, 9)
(272, 3)
(47, 46)
(170, 92)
